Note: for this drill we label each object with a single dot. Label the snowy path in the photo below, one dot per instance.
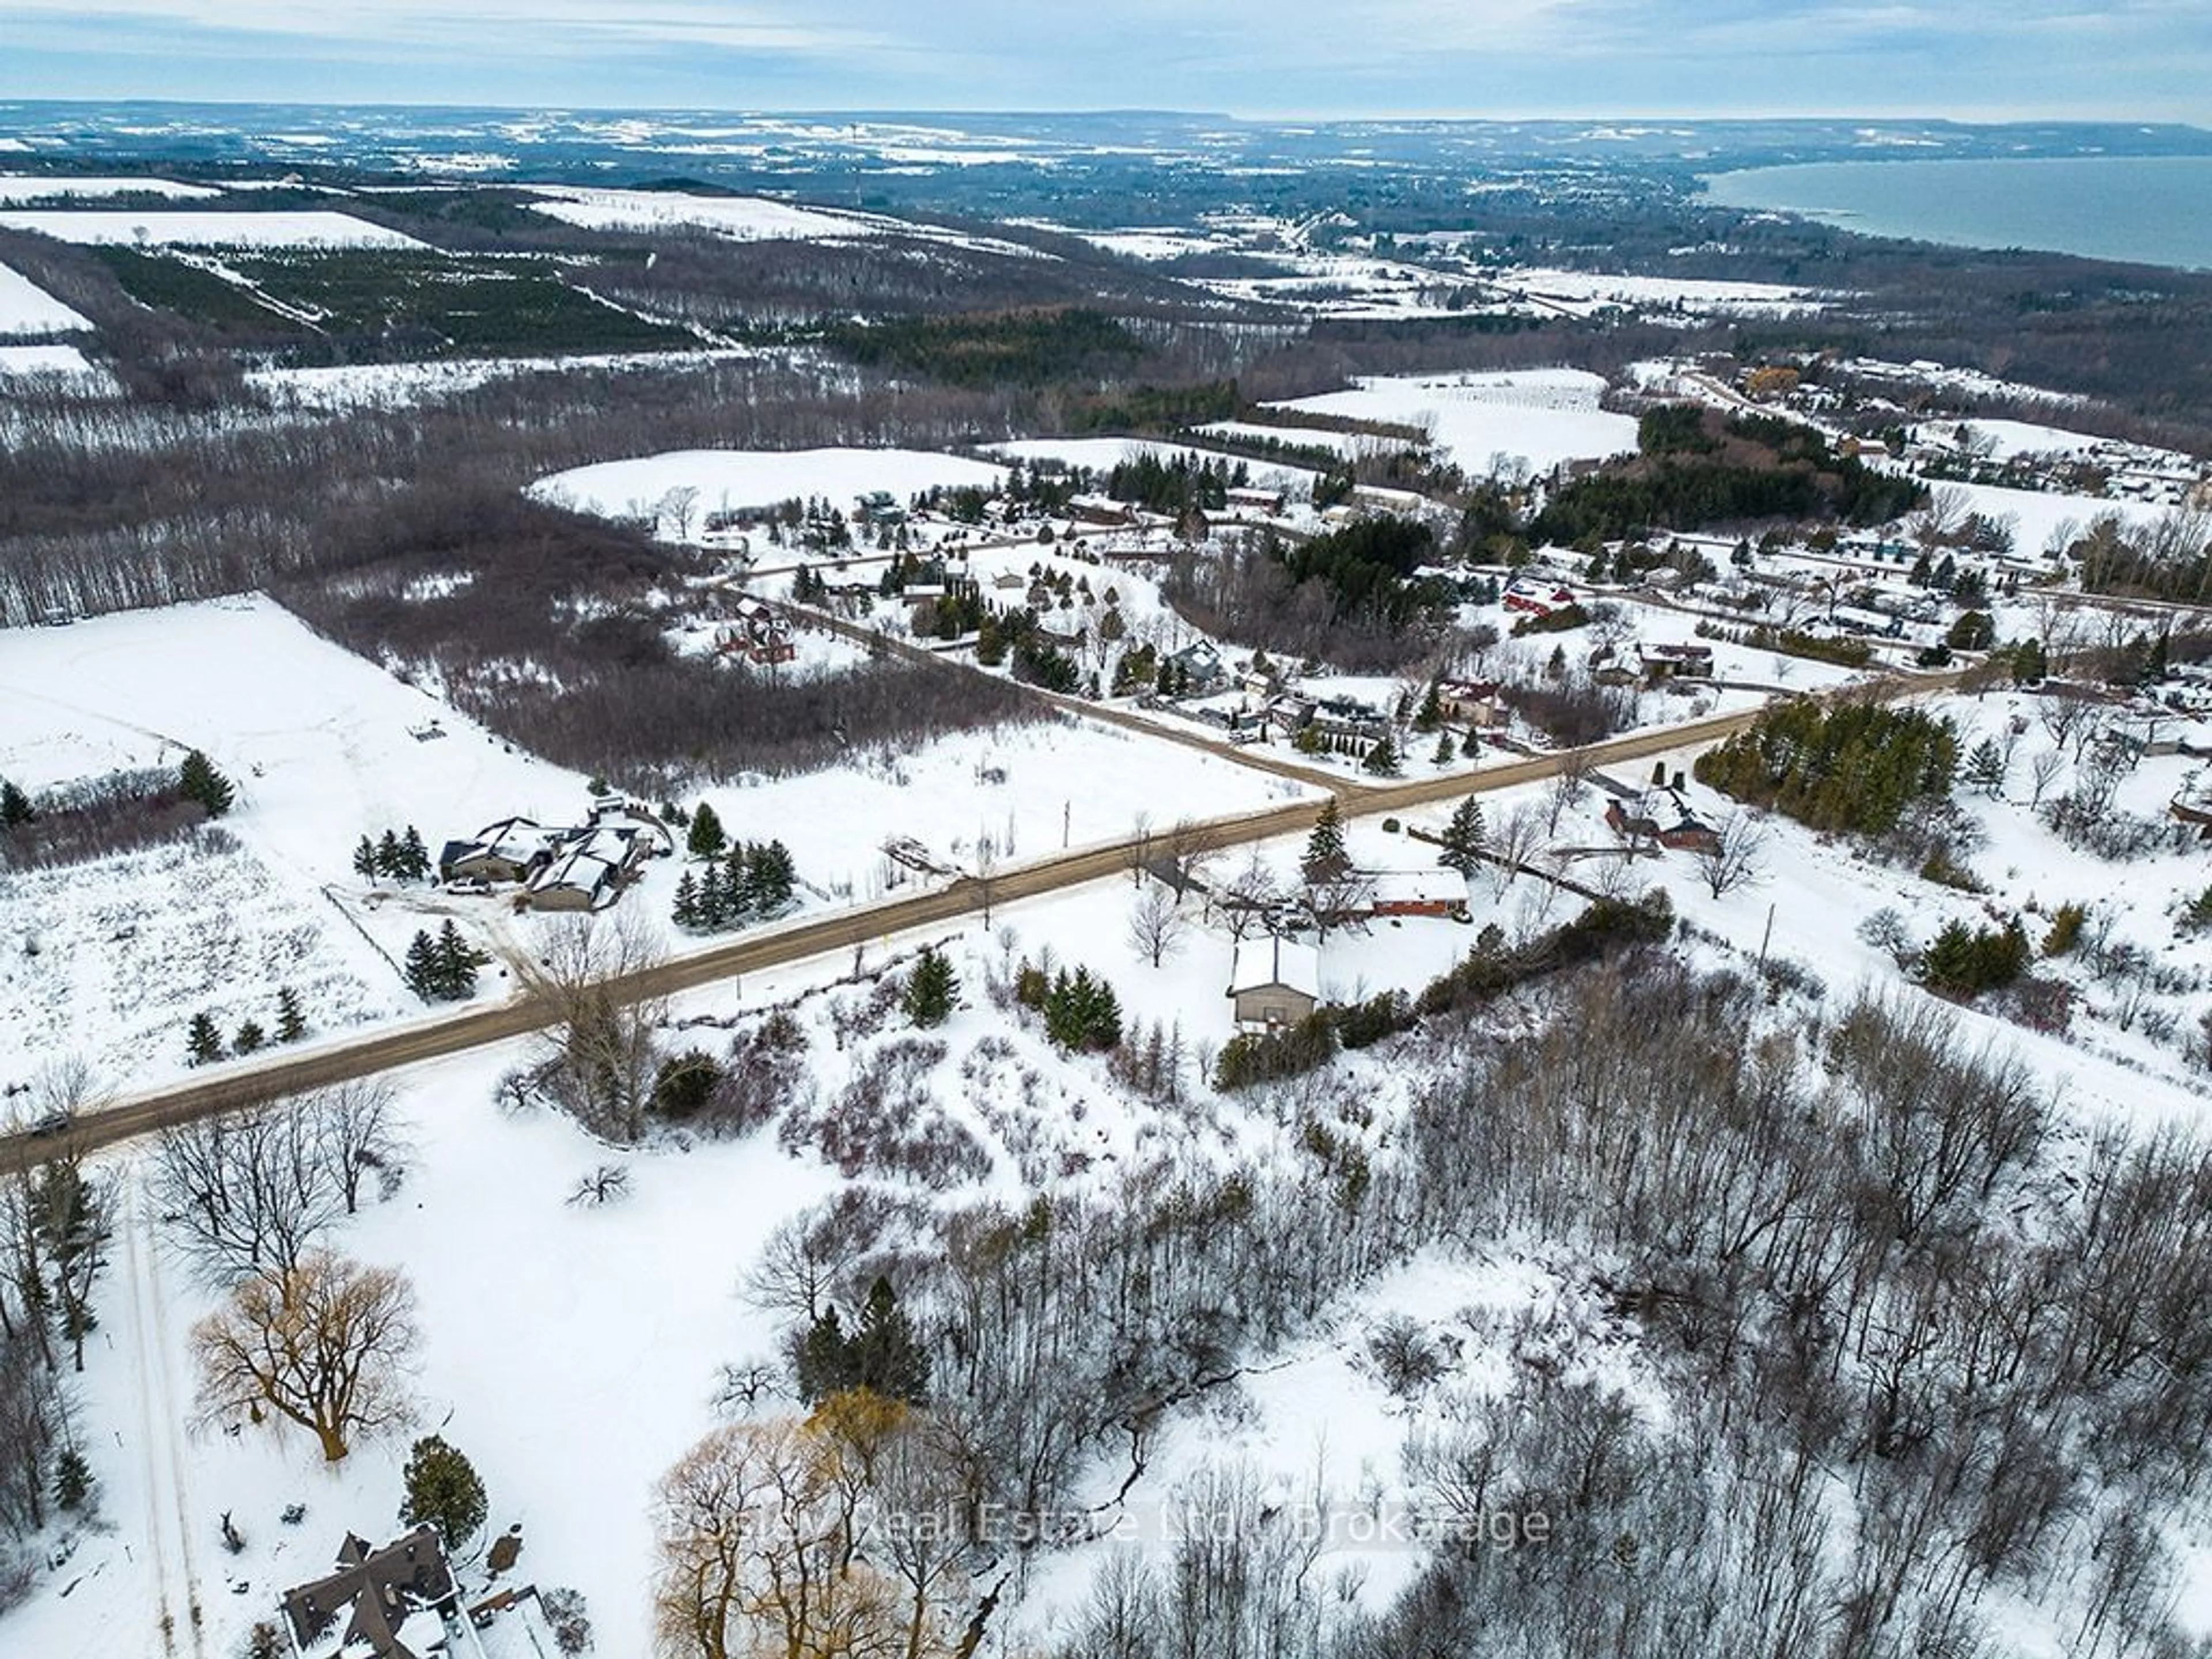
(161, 1421)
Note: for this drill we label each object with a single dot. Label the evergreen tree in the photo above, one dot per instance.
(1463, 837)
(250, 1038)
(887, 1358)
(198, 781)
(686, 901)
(457, 964)
(421, 971)
(714, 900)
(15, 809)
(1985, 767)
(1081, 1012)
(1445, 749)
(707, 838)
(390, 859)
(1431, 715)
(1382, 760)
(1325, 857)
(364, 860)
(291, 1018)
(771, 878)
(203, 1043)
(1470, 745)
(442, 1490)
(930, 990)
(414, 856)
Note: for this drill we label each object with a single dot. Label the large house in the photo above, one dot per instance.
(1536, 597)
(580, 867)
(1472, 702)
(402, 1602)
(1273, 982)
(1417, 893)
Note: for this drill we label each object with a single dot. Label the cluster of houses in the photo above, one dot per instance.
(575, 868)
(402, 1601)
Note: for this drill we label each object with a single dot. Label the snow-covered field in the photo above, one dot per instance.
(1543, 416)
(46, 362)
(737, 478)
(745, 218)
(396, 385)
(1103, 454)
(30, 187)
(1582, 291)
(291, 228)
(26, 308)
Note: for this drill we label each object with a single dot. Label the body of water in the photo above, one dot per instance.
(2151, 210)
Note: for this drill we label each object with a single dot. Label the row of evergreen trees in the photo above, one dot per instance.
(392, 857)
(443, 969)
(752, 882)
(203, 1042)
(1081, 1011)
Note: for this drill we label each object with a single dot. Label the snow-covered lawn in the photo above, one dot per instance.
(26, 308)
(30, 187)
(734, 478)
(290, 228)
(1544, 417)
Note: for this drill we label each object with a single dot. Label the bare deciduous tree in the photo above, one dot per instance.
(1520, 832)
(326, 1344)
(1157, 924)
(1736, 856)
(601, 1019)
(245, 1194)
(359, 1130)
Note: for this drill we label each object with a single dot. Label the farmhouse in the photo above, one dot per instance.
(1100, 509)
(756, 632)
(1472, 702)
(1674, 662)
(1198, 667)
(1661, 815)
(1252, 499)
(1273, 982)
(1537, 599)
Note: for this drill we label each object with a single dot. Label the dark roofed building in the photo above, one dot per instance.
(364, 1609)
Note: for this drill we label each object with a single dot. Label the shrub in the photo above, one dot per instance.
(2065, 930)
(1256, 1057)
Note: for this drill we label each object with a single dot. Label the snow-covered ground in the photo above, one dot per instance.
(26, 308)
(39, 363)
(396, 385)
(1582, 291)
(1103, 454)
(1543, 416)
(736, 478)
(212, 228)
(30, 187)
(745, 219)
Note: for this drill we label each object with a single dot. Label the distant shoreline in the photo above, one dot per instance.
(2133, 210)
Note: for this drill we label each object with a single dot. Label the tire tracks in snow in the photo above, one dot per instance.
(168, 1524)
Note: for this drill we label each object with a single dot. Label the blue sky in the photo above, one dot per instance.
(2149, 59)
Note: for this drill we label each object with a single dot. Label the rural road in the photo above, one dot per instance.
(239, 1084)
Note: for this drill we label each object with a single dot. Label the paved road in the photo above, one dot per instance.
(245, 1083)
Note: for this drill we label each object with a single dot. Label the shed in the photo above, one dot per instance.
(1273, 982)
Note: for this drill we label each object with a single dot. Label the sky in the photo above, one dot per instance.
(1969, 59)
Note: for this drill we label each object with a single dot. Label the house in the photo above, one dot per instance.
(1198, 668)
(512, 849)
(1100, 509)
(1674, 662)
(1252, 499)
(1010, 581)
(756, 632)
(1273, 982)
(589, 867)
(1536, 599)
(1661, 815)
(1417, 893)
(396, 1602)
(1472, 702)
(1349, 717)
